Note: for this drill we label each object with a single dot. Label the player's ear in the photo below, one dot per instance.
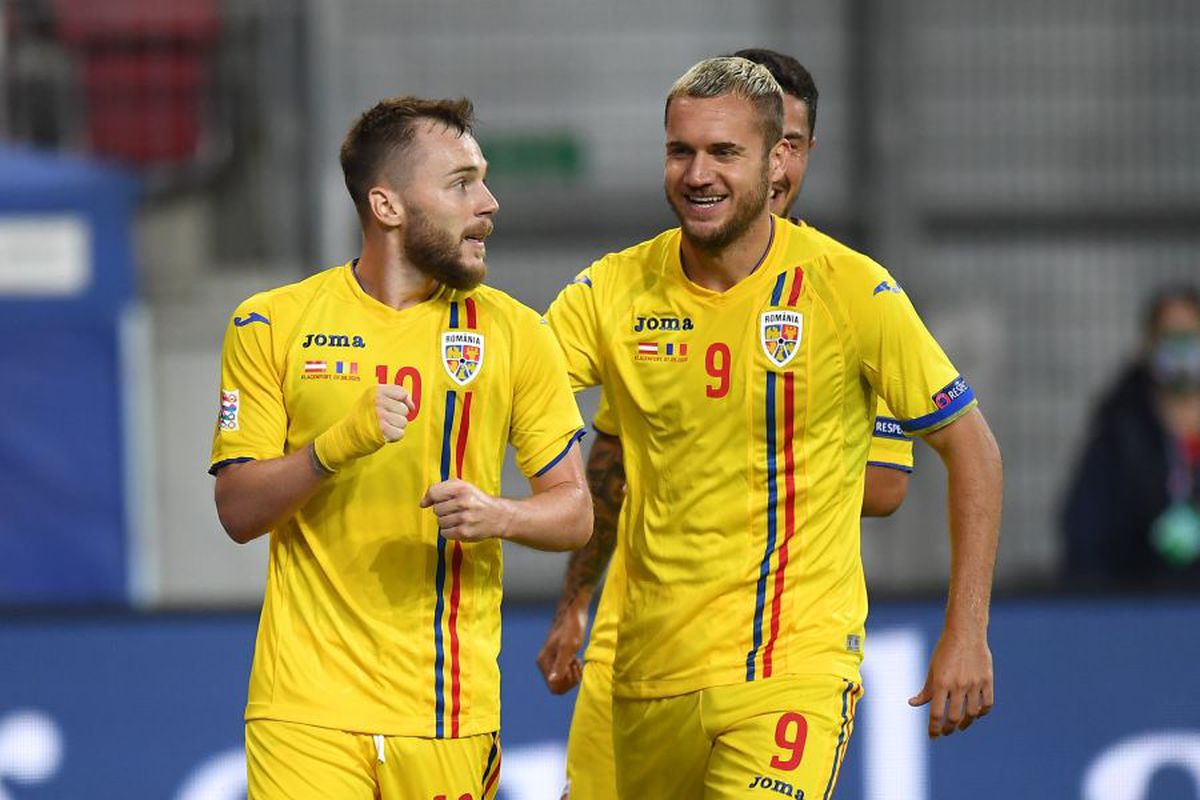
(812, 142)
(777, 159)
(386, 206)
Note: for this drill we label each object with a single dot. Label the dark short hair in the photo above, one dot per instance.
(1164, 296)
(791, 76)
(386, 130)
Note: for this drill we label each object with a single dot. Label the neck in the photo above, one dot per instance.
(385, 274)
(721, 270)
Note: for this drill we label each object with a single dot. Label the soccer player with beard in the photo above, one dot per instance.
(590, 770)
(742, 355)
(365, 414)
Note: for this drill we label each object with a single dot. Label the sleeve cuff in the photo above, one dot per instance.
(217, 465)
(890, 465)
(575, 437)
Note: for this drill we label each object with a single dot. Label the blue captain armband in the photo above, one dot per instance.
(951, 400)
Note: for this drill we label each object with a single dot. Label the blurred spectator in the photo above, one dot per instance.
(41, 102)
(1132, 512)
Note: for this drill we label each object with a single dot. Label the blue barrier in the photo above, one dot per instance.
(67, 279)
(1096, 700)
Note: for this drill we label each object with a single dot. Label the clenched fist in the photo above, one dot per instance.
(559, 657)
(379, 416)
(467, 513)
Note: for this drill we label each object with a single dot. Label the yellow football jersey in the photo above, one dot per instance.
(891, 447)
(372, 622)
(746, 418)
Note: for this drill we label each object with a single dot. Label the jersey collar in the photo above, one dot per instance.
(763, 271)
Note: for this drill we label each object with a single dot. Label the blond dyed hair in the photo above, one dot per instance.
(740, 77)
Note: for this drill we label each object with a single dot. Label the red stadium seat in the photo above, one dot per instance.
(146, 71)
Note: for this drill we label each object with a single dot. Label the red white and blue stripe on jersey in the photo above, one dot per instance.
(491, 771)
(456, 429)
(780, 431)
(850, 697)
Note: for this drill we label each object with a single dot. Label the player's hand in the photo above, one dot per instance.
(559, 657)
(466, 513)
(960, 687)
(379, 416)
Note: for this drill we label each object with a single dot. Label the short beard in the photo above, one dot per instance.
(745, 213)
(438, 255)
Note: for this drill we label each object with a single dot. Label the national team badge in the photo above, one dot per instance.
(779, 332)
(462, 355)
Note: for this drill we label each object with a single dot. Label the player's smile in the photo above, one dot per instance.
(716, 177)
(705, 205)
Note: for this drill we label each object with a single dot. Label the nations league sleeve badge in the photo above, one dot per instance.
(462, 355)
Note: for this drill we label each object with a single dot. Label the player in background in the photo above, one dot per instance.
(590, 774)
(364, 418)
(745, 416)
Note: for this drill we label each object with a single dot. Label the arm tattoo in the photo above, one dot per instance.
(606, 479)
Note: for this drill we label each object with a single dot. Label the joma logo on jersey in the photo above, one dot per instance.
(779, 332)
(775, 785)
(663, 324)
(332, 340)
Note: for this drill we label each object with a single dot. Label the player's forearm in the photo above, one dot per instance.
(976, 481)
(256, 496)
(556, 518)
(606, 482)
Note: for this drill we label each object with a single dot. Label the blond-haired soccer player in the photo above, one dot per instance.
(364, 417)
(745, 415)
(590, 771)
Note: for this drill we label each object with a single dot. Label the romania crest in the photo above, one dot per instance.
(779, 332)
(462, 355)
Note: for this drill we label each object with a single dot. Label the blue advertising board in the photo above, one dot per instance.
(1096, 700)
(66, 280)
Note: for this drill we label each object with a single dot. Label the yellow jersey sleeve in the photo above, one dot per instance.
(605, 420)
(252, 421)
(900, 358)
(546, 420)
(890, 446)
(576, 325)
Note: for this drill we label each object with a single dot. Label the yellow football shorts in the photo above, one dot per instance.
(783, 736)
(291, 761)
(591, 774)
